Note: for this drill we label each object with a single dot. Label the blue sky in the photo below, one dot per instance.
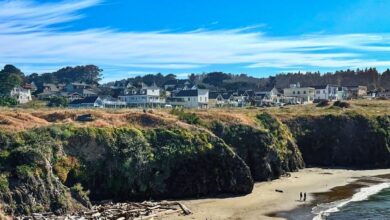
(133, 37)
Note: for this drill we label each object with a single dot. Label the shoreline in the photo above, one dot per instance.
(265, 203)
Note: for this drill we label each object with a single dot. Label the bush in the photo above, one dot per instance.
(341, 104)
(64, 165)
(25, 171)
(190, 118)
(4, 183)
(323, 103)
(81, 195)
(8, 101)
(57, 101)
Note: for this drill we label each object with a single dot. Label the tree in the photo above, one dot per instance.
(10, 77)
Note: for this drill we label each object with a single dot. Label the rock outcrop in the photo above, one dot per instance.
(346, 140)
(47, 169)
(268, 148)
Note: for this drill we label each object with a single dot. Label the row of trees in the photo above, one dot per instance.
(369, 77)
(90, 74)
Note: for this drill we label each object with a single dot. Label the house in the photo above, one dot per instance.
(177, 84)
(216, 99)
(326, 92)
(342, 93)
(73, 96)
(110, 102)
(22, 95)
(191, 98)
(302, 94)
(77, 86)
(31, 86)
(144, 96)
(268, 97)
(50, 90)
(355, 92)
(384, 94)
(238, 99)
(88, 102)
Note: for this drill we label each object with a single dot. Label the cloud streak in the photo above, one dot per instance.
(31, 35)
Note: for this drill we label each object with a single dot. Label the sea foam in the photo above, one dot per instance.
(323, 210)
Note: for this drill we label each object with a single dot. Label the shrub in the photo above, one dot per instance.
(4, 183)
(341, 104)
(8, 101)
(190, 118)
(323, 103)
(25, 171)
(57, 101)
(64, 165)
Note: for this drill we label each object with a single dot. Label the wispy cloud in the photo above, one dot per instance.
(31, 35)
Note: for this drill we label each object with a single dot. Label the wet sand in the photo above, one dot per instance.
(265, 203)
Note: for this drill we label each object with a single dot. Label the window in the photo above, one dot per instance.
(189, 99)
(294, 92)
(200, 98)
(304, 92)
(299, 92)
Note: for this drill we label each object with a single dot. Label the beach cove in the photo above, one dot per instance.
(264, 202)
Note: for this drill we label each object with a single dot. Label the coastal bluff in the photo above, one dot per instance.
(49, 161)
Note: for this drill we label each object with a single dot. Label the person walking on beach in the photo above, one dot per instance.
(304, 196)
(300, 196)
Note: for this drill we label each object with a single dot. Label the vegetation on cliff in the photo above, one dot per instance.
(60, 167)
(348, 140)
(51, 161)
(268, 148)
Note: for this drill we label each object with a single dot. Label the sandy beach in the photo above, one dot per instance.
(265, 200)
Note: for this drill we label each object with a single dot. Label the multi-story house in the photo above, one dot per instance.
(50, 89)
(77, 86)
(326, 92)
(269, 97)
(146, 96)
(301, 94)
(354, 92)
(191, 98)
(22, 95)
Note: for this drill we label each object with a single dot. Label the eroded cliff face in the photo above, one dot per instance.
(347, 140)
(61, 168)
(53, 168)
(268, 148)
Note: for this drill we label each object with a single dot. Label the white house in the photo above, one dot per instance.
(270, 97)
(88, 102)
(110, 102)
(191, 98)
(21, 95)
(144, 96)
(299, 94)
(326, 92)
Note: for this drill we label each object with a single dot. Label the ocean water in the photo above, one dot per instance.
(372, 202)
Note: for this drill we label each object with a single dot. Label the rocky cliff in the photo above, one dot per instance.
(347, 140)
(62, 164)
(267, 147)
(49, 168)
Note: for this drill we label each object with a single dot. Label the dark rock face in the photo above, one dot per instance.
(349, 140)
(27, 181)
(48, 169)
(268, 149)
(158, 163)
